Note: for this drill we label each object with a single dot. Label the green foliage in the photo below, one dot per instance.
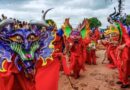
(128, 20)
(94, 22)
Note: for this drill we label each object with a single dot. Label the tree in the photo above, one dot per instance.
(94, 22)
(128, 20)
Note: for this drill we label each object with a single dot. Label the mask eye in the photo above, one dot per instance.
(32, 38)
(16, 38)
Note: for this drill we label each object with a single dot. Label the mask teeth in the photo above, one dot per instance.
(17, 48)
(35, 46)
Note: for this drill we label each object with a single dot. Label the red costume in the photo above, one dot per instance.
(112, 55)
(75, 46)
(91, 46)
(112, 34)
(110, 52)
(12, 79)
(124, 57)
(58, 54)
(76, 57)
(86, 53)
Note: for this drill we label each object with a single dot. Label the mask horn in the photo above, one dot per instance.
(6, 22)
(42, 23)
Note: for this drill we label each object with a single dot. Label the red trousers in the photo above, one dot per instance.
(91, 57)
(63, 63)
(112, 57)
(76, 64)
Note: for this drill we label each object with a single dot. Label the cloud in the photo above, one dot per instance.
(12, 4)
(89, 4)
(77, 10)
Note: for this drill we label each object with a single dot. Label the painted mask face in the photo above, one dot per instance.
(27, 45)
(24, 43)
(75, 35)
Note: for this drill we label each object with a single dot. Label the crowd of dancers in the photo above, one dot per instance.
(74, 45)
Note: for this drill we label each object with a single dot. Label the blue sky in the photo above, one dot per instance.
(76, 10)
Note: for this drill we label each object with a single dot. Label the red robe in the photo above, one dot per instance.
(63, 64)
(86, 53)
(44, 78)
(96, 35)
(58, 54)
(76, 57)
(91, 54)
(58, 43)
(112, 55)
(110, 51)
(124, 57)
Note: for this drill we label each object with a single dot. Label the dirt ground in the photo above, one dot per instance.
(96, 77)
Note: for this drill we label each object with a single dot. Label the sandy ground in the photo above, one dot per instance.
(96, 77)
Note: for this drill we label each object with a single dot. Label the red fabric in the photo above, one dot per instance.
(58, 43)
(91, 57)
(58, 54)
(65, 67)
(47, 77)
(91, 54)
(76, 57)
(124, 57)
(123, 65)
(60, 57)
(108, 49)
(112, 56)
(76, 64)
(96, 35)
(85, 52)
(14, 80)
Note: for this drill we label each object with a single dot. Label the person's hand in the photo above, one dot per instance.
(70, 44)
(121, 47)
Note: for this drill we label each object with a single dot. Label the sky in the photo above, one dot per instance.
(76, 10)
